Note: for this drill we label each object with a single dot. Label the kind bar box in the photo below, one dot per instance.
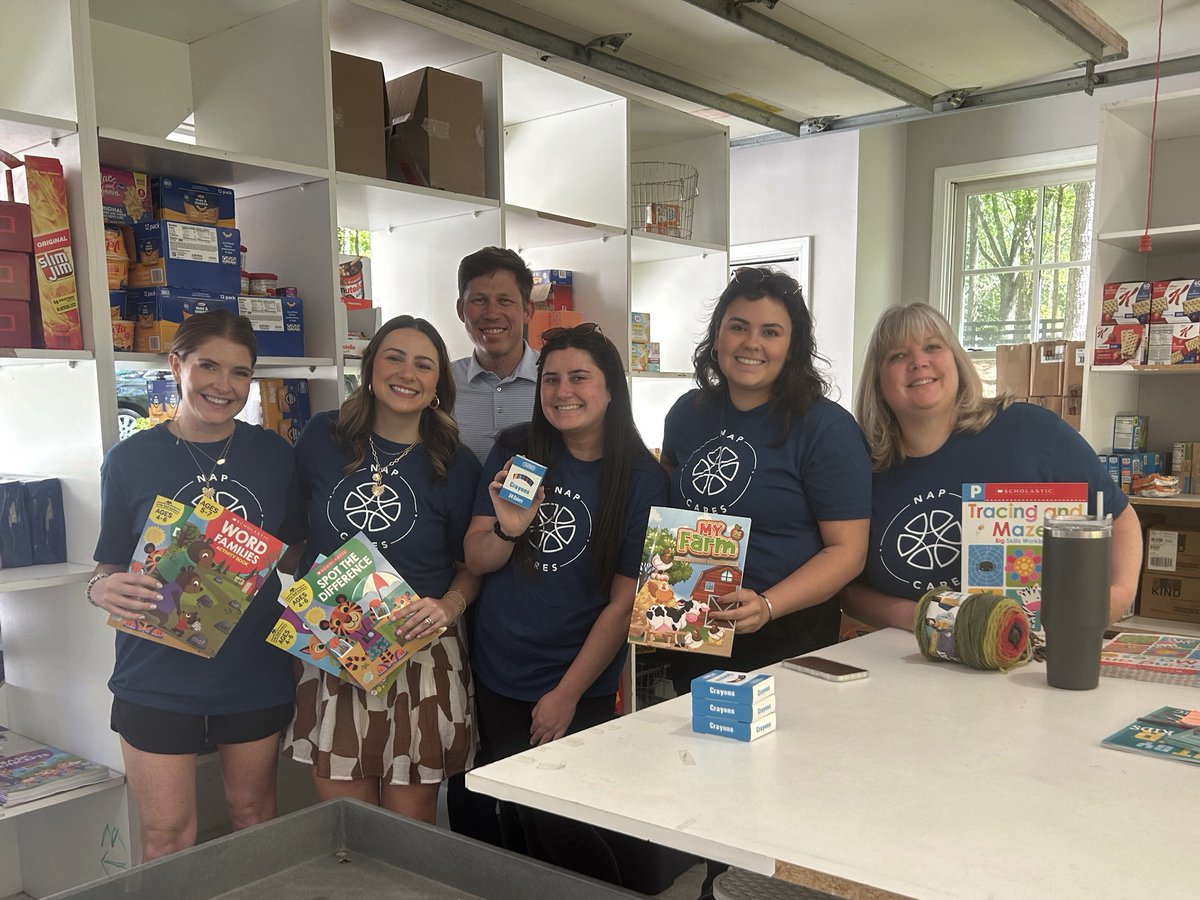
(1014, 367)
(359, 115)
(524, 478)
(126, 196)
(732, 687)
(1175, 301)
(201, 204)
(1174, 343)
(1170, 597)
(1174, 550)
(1049, 364)
(703, 708)
(1120, 345)
(278, 324)
(739, 731)
(436, 135)
(40, 184)
(1127, 301)
(183, 254)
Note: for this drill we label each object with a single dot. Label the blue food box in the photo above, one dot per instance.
(738, 731)
(732, 687)
(184, 201)
(157, 313)
(524, 478)
(47, 527)
(554, 276)
(278, 324)
(183, 254)
(16, 544)
(705, 708)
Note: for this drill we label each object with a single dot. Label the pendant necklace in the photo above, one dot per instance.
(377, 487)
(208, 490)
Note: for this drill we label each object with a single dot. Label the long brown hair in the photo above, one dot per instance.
(439, 431)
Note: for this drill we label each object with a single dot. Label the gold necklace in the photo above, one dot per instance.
(377, 469)
(208, 490)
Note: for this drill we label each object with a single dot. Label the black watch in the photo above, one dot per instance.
(499, 532)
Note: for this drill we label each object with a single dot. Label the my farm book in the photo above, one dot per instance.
(1168, 733)
(689, 562)
(209, 563)
(339, 617)
(30, 770)
(1002, 538)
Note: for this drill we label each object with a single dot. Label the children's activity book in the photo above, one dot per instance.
(689, 562)
(30, 770)
(339, 617)
(1002, 539)
(1168, 733)
(210, 563)
(1162, 658)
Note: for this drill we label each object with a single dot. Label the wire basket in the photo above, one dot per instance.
(661, 197)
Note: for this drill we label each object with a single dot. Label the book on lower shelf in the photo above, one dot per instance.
(30, 770)
(1168, 732)
(1161, 658)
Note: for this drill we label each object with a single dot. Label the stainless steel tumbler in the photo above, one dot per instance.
(1076, 574)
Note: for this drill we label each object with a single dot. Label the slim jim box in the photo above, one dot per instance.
(40, 184)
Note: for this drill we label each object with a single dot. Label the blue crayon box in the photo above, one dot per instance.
(738, 731)
(705, 708)
(732, 687)
(524, 478)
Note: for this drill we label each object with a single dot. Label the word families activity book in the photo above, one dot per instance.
(30, 770)
(210, 564)
(690, 561)
(1002, 539)
(339, 617)
(1168, 733)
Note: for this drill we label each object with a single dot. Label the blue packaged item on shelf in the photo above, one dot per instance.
(185, 255)
(735, 687)
(158, 312)
(47, 526)
(278, 324)
(16, 544)
(183, 201)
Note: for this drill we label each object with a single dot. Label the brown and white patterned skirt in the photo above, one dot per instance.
(421, 732)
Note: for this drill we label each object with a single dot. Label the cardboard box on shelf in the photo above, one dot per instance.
(544, 320)
(1175, 550)
(1183, 454)
(16, 325)
(1073, 366)
(359, 115)
(436, 136)
(14, 276)
(125, 196)
(184, 254)
(1122, 345)
(1174, 343)
(1048, 365)
(16, 233)
(1175, 301)
(644, 356)
(157, 313)
(1126, 302)
(553, 289)
(176, 200)
(278, 324)
(1132, 466)
(1172, 597)
(1014, 368)
(1072, 411)
(1130, 433)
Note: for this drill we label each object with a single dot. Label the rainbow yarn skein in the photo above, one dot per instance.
(984, 631)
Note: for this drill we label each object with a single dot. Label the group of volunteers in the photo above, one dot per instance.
(846, 515)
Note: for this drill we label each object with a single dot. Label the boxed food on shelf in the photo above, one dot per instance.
(544, 320)
(16, 325)
(14, 276)
(1120, 345)
(639, 326)
(1184, 458)
(1127, 301)
(176, 200)
(359, 115)
(436, 136)
(122, 334)
(125, 196)
(1048, 366)
(183, 254)
(1174, 343)
(162, 399)
(40, 183)
(157, 313)
(553, 289)
(1014, 368)
(1125, 468)
(278, 324)
(1130, 432)
(1174, 550)
(1169, 597)
(1177, 300)
(644, 356)
(15, 231)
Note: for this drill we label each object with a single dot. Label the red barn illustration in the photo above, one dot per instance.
(716, 582)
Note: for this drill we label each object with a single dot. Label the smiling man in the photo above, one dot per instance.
(496, 383)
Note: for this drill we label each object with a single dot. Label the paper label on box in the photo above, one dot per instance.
(192, 243)
(264, 313)
(1161, 549)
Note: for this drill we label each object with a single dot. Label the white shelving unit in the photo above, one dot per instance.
(1164, 393)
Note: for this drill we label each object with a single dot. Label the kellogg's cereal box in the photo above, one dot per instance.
(1120, 345)
(1174, 343)
(1175, 301)
(1126, 302)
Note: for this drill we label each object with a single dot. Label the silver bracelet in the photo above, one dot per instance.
(770, 608)
(92, 582)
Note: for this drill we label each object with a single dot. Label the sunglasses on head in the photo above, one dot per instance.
(778, 284)
(553, 334)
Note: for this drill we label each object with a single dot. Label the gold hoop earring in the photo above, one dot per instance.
(437, 401)
(371, 389)
(712, 352)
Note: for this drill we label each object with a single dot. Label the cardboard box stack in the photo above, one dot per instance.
(644, 355)
(1174, 323)
(1171, 578)
(1048, 373)
(733, 705)
(1121, 337)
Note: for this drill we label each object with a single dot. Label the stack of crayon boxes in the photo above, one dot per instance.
(733, 705)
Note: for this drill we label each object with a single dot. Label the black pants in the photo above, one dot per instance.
(504, 726)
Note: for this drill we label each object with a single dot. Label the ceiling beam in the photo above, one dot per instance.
(601, 60)
(1082, 27)
(764, 26)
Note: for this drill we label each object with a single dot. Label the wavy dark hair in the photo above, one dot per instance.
(495, 259)
(219, 323)
(623, 449)
(799, 384)
(439, 431)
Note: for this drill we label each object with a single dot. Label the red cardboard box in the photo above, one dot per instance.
(15, 231)
(1126, 302)
(15, 328)
(1120, 345)
(14, 276)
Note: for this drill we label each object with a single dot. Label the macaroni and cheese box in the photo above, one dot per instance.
(183, 254)
(126, 196)
(1120, 345)
(1174, 343)
(157, 313)
(735, 687)
(1175, 301)
(183, 201)
(278, 324)
(1127, 301)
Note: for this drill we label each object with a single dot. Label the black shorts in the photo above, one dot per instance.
(158, 731)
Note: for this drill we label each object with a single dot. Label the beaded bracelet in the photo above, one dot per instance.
(92, 582)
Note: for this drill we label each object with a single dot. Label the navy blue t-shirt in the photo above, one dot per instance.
(530, 626)
(725, 462)
(418, 523)
(916, 534)
(258, 483)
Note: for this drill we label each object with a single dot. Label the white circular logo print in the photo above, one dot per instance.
(385, 519)
(717, 474)
(924, 540)
(564, 528)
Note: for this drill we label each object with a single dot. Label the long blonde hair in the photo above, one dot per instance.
(897, 326)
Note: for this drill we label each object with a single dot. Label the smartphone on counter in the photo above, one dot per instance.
(825, 668)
